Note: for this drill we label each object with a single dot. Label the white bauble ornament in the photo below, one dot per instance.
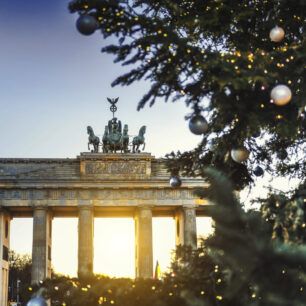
(281, 94)
(277, 34)
(240, 154)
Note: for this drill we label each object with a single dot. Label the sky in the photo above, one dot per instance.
(53, 84)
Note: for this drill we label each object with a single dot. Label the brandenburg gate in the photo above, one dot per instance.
(93, 184)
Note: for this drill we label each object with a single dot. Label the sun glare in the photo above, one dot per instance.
(114, 247)
(114, 243)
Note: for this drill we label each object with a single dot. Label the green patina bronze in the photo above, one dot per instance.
(114, 138)
(93, 139)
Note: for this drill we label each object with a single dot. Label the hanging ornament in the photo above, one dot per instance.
(277, 34)
(240, 154)
(37, 301)
(198, 125)
(86, 24)
(258, 171)
(281, 94)
(175, 182)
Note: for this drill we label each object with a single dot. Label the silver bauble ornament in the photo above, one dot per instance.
(86, 24)
(37, 301)
(240, 154)
(281, 94)
(175, 182)
(198, 125)
(277, 34)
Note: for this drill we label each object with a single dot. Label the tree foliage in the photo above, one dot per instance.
(218, 57)
(19, 275)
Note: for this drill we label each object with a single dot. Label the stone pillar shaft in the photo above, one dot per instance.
(4, 249)
(86, 239)
(186, 228)
(143, 243)
(42, 241)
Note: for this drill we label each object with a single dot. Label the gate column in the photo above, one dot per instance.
(41, 249)
(85, 249)
(143, 243)
(185, 227)
(4, 249)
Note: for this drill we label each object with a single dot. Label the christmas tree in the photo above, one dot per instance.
(240, 67)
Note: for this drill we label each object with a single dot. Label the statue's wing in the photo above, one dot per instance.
(116, 100)
(120, 127)
(109, 100)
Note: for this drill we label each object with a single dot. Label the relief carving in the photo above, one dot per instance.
(115, 168)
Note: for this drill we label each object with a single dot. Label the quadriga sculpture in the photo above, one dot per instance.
(93, 139)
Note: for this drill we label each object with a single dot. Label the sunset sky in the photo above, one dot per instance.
(53, 84)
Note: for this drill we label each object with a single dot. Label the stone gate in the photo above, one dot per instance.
(92, 185)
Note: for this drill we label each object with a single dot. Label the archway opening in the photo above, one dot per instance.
(204, 228)
(65, 246)
(163, 242)
(114, 247)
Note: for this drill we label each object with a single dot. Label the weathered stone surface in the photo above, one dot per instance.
(86, 238)
(143, 243)
(186, 228)
(126, 166)
(41, 250)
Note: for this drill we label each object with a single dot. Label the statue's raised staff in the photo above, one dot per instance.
(93, 139)
(139, 140)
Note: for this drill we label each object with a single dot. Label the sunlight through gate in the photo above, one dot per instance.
(93, 185)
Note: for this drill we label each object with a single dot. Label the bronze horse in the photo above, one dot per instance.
(93, 139)
(139, 140)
